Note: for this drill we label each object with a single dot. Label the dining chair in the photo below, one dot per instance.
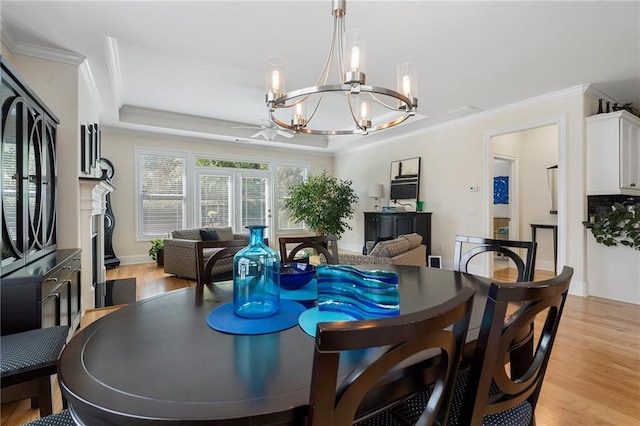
(320, 243)
(485, 393)
(29, 359)
(522, 346)
(396, 339)
(479, 245)
(205, 267)
(62, 418)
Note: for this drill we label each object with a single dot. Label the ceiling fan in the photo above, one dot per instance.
(268, 130)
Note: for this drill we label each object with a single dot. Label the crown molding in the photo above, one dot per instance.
(85, 70)
(37, 51)
(598, 94)
(220, 129)
(115, 73)
(579, 90)
(272, 146)
(6, 35)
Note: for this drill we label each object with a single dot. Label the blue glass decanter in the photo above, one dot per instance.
(256, 278)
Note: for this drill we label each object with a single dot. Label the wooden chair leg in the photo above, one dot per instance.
(44, 396)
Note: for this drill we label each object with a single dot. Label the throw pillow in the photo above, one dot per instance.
(414, 239)
(375, 243)
(208, 235)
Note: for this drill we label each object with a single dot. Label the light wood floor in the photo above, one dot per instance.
(593, 377)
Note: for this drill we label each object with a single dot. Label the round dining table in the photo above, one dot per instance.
(158, 362)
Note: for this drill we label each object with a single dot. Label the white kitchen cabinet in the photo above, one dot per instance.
(613, 151)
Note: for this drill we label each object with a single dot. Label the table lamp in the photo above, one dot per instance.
(375, 191)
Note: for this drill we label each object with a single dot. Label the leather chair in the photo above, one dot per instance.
(396, 339)
(484, 393)
(321, 245)
(29, 359)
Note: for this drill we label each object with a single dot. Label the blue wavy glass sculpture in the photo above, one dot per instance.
(361, 294)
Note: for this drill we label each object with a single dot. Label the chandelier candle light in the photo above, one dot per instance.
(348, 47)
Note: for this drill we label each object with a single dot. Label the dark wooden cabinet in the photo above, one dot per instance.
(378, 224)
(44, 293)
(28, 167)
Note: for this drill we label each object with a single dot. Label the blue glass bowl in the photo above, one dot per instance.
(296, 275)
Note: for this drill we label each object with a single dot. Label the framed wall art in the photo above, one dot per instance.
(85, 149)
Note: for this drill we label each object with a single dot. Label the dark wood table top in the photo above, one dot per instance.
(158, 362)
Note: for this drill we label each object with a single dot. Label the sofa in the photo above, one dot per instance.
(404, 250)
(180, 250)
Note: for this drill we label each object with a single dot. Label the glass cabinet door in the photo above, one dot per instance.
(28, 175)
(34, 181)
(12, 244)
(49, 184)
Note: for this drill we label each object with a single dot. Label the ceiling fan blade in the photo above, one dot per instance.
(285, 134)
(269, 134)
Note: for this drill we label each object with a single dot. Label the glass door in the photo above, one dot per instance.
(233, 198)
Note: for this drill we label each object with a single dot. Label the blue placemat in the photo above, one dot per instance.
(311, 317)
(308, 292)
(223, 319)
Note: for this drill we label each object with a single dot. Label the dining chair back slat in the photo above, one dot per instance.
(321, 244)
(396, 339)
(228, 249)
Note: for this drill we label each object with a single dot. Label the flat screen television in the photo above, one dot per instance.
(404, 190)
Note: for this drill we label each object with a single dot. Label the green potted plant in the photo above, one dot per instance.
(157, 251)
(323, 203)
(620, 225)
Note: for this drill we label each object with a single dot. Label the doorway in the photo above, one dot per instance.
(523, 155)
(505, 218)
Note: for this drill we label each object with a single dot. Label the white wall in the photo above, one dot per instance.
(119, 147)
(454, 158)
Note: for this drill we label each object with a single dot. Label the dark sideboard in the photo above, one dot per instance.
(44, 293)
(379, 224)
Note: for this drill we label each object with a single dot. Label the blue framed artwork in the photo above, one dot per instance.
(501, 190)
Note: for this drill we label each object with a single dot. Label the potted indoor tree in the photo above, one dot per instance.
(323, 203)
(157, 251)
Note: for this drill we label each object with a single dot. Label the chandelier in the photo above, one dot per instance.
(347, 49)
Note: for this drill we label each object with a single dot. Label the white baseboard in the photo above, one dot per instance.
(134, 260)
(545, 265)
(578, 288)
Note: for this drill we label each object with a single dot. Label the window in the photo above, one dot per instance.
(214, 200)
(179, 190)
(161, 191)
(288, 176)
(235, 197)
